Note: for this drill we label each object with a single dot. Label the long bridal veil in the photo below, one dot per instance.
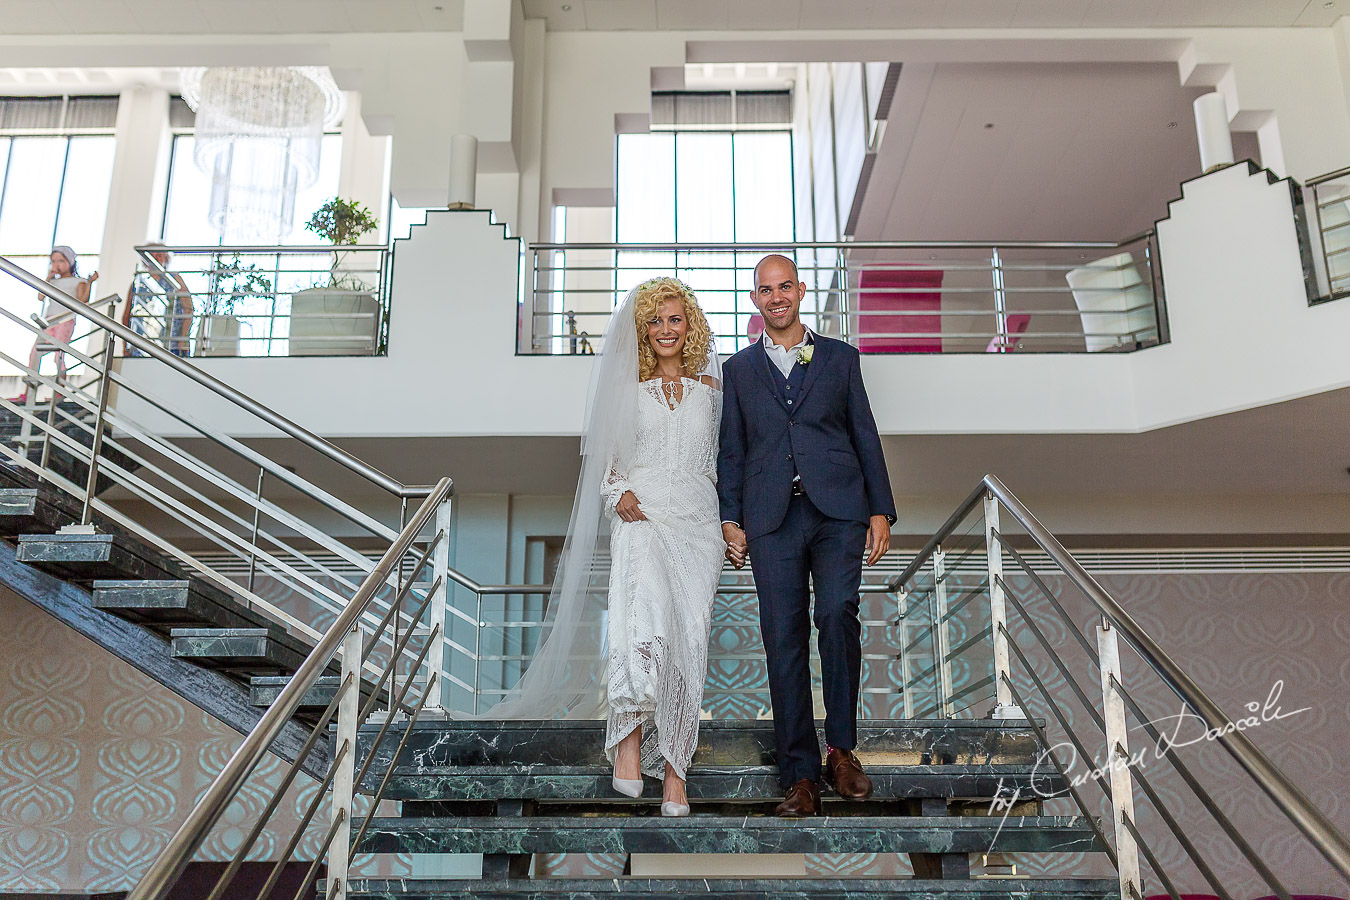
(565, 677)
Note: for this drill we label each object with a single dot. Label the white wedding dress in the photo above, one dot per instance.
(664, 572)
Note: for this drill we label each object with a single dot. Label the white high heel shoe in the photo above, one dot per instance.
(672, 810)
(629, 787)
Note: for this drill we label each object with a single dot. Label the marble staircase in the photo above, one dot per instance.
(510, 790)
(179, 616)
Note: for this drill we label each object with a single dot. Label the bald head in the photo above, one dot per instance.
(775, 261)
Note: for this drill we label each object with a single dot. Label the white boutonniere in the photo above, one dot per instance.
(804, 355)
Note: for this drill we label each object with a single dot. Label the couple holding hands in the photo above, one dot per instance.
(774, 459)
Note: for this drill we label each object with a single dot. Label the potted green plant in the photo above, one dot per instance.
(342, 317)
(232, 281)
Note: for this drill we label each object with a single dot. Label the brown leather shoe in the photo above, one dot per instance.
(803, 799)
(845, 774)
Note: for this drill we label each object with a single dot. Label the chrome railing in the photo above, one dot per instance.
(263, 301)
(1327, 206)
(1021, 645)
(346, 638)
(880, 296)
(230, 497)
(969, 627)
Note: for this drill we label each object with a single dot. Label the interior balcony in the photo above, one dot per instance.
(1213, 312)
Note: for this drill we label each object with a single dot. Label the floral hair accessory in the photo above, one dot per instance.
(804, 355)
(667, 280)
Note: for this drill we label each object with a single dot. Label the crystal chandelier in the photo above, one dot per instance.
(259, 131)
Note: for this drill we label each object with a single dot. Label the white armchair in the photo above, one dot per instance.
(1114, 303)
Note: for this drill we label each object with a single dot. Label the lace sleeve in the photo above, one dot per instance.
(613, 486)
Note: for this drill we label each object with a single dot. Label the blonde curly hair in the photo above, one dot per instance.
(698, 341)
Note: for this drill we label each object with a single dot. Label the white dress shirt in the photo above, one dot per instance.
(784, 358)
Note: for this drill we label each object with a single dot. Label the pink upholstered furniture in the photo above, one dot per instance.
(899, 290)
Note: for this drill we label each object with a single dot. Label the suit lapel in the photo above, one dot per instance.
(818, 359)
(764, 367)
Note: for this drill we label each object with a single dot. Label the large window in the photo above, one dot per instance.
(263, 320)
(189, 196)
(53, 190)
(707, 181)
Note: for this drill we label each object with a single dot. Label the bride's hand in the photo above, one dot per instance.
(628, 509)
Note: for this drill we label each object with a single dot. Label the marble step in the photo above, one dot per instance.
(263, 691)
(730, 834)
(240, 651)
(20, 512)
(84, 558)
(163, 604)
(438, 748)
(724, 783)
(728, 888)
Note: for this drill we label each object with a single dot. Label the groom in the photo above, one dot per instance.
(803, 487)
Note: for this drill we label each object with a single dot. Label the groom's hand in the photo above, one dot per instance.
(878, 539)
(734, 535)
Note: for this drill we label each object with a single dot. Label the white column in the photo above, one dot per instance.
(139, 180)
(463, 171)
(364, 174)
(1212, 130)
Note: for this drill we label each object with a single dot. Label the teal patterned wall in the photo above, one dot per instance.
(99, 764)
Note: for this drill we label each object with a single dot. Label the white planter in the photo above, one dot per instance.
(219, 336)
(334, 322)
(1115, 304)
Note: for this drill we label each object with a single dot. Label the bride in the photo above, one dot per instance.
(644, 550)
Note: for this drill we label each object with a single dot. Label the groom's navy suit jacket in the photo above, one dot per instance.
(826, 434)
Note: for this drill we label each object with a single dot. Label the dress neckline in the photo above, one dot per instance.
(663, 394)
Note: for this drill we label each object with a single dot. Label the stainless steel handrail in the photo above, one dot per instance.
(1309, 820)
(1329, 176)
(256, 250)
(169, 865)
(216, 386)
(852, 245)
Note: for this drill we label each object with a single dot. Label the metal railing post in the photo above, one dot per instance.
(253, 543)
(344, 781)
(1000, 303)
(1118, 763)
(47, 434)
(96, 446)
(902, 627)
(440, 598)
(942, 672)
(25, 437)
(1004, 707)
(845, 299)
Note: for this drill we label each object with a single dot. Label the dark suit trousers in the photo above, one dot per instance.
(830, 552)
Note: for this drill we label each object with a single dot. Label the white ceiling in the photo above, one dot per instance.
(150, 17)
(92, 80)
(1076, 152)
(718, 15)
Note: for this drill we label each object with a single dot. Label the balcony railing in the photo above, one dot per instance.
(886, 297)
(1327, 200)
(263, 301)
